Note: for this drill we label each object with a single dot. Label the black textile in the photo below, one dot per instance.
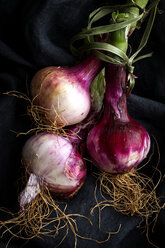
(35, 34)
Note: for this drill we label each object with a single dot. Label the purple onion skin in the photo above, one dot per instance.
(65, 91)
(55, 162)
(118, 143)
(77, 133)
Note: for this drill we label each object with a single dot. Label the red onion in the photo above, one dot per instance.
(54, 162)
(118, 143)
(64, 92)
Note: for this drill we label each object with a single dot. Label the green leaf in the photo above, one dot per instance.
(97, 91)
(147, 32)
(105, 10)
(108, 28)
(109, 59)
(102, 46)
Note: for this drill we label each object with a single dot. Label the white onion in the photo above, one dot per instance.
(53, 161)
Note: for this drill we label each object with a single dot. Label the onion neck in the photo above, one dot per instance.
(116, 79)
(115, 97)
(87, 70)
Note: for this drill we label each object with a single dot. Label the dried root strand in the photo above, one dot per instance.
(38, 219)
(132, 193)
(40, 116)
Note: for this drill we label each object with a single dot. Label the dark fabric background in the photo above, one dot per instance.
(35, 34)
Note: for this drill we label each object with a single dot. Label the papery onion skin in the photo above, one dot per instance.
(64, 92)
(118, 143)
(55, 163)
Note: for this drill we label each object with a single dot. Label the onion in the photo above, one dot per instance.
(53, 161)
(118, 143)
(55, 169)
(64, 92)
